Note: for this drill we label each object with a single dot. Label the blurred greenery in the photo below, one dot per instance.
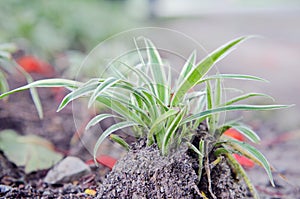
(47, 28)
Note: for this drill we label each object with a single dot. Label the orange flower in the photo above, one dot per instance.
(33, 65)
(244, 161)
(234, 134)
(105, 160)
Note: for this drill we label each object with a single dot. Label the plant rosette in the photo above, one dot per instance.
(177, 122)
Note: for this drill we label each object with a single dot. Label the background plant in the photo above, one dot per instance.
(53, 27)
(144, 97)
(9, 66)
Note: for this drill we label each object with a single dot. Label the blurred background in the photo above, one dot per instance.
(62, 33)
(58, 29)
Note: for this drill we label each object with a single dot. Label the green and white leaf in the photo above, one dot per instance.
(83, 90)
(246, 131)
(253, 154)
(202, 115)
(202, 68)
(120, 141)
(246, 96)
(101, 88)
(3, 83)
(98, 118)
(158, 122)
(232, 76)
(45, 83)
(109, 131)
(188, 66)
(172, 128)
(157, 71)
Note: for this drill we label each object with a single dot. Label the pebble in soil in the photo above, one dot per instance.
(67, 170)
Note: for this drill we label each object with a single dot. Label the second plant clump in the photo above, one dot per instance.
(172, 115)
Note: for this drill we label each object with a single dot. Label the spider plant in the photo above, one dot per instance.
(144, 97)
(6, 64)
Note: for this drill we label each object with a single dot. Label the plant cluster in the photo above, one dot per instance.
(144, 97)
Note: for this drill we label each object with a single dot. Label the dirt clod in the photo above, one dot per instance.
(144, 173)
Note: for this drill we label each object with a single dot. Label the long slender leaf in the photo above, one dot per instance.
(218, 93)
(188, 66)
(138, 92)
(45, 83)
(120, 141)
(156, 100)
(117, 97)
(240, 170)
(246, 131)
(195, 95)
(209, 106)
(171, 130)
(3, 83)
(101, 88)
(109, 131)
(246, 96)
(8, 47)
(98, 118)
(36, 100)
(232, 76)
(218, 98)
(204, 114)
(158, 121)
(157, 70)
(142, 75)
(119, 108)
(139, 52)
(85, 89)
(202, 68)
(252, 153)
(34, 94)
(117, 72)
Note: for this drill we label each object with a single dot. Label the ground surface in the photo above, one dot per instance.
(32, 185)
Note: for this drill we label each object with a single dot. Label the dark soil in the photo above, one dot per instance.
(14, 183)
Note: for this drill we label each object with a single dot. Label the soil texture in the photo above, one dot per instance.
(144, 173)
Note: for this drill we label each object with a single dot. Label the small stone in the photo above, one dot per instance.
(67, 170)
(46, 193)
(161, 189)
(4, 189)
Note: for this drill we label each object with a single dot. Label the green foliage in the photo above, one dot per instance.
(31, 151)
(50, 27)
(144, 102)
(6, 51)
